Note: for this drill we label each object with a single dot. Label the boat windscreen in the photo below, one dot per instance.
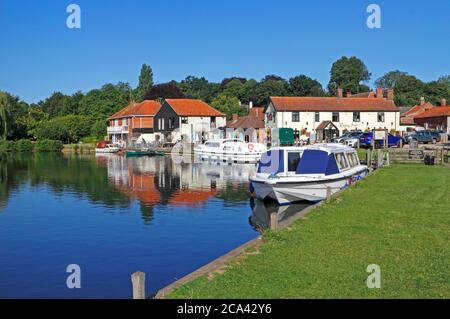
(317, 162)
(272, 162)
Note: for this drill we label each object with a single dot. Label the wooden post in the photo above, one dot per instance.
(274, 221)
(138, 281)
(379, 158)
(368, 158)
(388, 159)
(328, 194)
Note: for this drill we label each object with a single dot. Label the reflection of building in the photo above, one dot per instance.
(305, 114)
(133, 121)
(187, 119)
(160, 181)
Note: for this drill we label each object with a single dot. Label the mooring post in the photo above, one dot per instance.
(274, 221)
(138, 281)
(328, 194)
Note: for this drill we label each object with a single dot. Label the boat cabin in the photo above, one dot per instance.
(326, 159)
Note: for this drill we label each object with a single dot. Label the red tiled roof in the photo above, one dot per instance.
(332, 104)
(417, 109)
(256, 111)
(188, 107)
(247, 122)
(146, 108)
(436, 111)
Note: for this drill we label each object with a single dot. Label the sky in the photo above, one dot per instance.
(39, 54)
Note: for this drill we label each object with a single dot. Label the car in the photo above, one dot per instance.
(436, 135)
(422, 137)
(347, 135)
(353, 141)
(365, 140)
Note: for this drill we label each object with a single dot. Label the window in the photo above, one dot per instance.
(171, 122)
(341, 161)
(161, 125)
(293, 160)
(335, 117)
(295, 117)
(353, 159)
(380, 116)
(356, 117)
(317, 117)
(184, 120)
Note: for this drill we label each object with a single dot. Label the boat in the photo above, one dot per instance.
(231, 151)
(103, 148)
(293, 174)
(143, 152)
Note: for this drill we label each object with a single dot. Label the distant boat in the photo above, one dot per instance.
(292, 174)
(230, 150)
(103, 148)
(138, 153)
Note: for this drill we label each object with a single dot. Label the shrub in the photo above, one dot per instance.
(24, 146)
(49, 146)
(7, 146)
(89, 139)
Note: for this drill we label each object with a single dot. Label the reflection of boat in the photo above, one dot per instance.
(134, 153)
(290, 174)
(230, 150)
(102, 147)
(272, 216)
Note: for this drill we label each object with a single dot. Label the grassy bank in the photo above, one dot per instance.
(79, 148)
(398, 218)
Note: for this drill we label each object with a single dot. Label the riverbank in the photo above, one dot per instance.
(397, 218)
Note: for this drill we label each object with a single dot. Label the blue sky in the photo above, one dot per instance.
(215, 39)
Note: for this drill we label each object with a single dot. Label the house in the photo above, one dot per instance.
(250, 128)
(437, 117)
(133, 122)
(305, 114)
(192, 120)
(407, 118)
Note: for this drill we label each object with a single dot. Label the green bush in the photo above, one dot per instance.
(24, 146)
(7, 147)
(49, 146)
(89, 140)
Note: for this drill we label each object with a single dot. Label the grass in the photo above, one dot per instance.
(398, 218)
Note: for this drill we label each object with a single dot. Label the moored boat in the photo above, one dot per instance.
(292, 174)
(231, 151)
(103, 147)
(137, 153)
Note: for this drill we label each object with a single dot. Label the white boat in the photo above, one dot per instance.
(293, 174)
(107, 149)
(231, 151)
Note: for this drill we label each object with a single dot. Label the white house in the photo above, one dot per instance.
(305, 114)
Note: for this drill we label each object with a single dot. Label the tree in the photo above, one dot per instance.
(249, 91)
(348, 73)
(145, 82)
(199, 88)
(69, 128)
(303, 85)
(408, 89)
(164, 91)
(104, 102)
(435, 91)
(269, 88)
(229, 105)
(31, 121)
(273, 77)
(234, 88)
(389, 80)
(4, 115)
(225, 81)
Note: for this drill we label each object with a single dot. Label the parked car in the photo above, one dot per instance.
(365, 140)
(353, 141)
(347, 135)
(422, 137)
(436, 135)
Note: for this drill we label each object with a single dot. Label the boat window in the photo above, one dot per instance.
(341, 161)
(293, 160)
(353, 159)
(212, 144)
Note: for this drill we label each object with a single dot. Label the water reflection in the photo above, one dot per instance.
(270, 215)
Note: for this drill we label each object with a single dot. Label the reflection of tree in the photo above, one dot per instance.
(146, 213)
(233, 192)
(79, 175)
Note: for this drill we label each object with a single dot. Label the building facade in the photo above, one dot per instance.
(437, 118)
(306, 114)
(133, 122)
(187, 119)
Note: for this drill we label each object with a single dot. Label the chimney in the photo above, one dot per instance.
(340, 93)
(422, 101)
(349, 93)
(250, 106)
(390, 94)
(379, 92)
(235, 117)
(443, 102)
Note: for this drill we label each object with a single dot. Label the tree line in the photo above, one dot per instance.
(83, 116)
